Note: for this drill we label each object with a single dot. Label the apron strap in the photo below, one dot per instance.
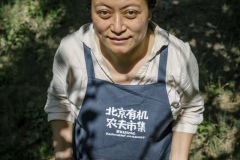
(162, 64)
(88, 61)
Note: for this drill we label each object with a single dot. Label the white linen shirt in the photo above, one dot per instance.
(68, 86)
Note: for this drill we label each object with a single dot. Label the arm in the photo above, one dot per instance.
(66, 84)
(62, 139)
(181, 143)
(192, 107)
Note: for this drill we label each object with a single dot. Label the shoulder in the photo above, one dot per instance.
(164, 38)
(180, 51)
(75, 39)
(71, 47)
(179, 54)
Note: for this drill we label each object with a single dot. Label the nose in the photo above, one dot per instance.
(118, 25)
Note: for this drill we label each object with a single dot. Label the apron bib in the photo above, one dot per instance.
(123, 122)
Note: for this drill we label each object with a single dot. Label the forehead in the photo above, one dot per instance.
(140, 3)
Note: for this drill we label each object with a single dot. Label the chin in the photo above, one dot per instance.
(120, 50)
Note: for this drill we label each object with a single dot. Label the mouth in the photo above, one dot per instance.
(117, 40)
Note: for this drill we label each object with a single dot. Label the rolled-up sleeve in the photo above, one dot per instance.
(58, 106)
(191, 101)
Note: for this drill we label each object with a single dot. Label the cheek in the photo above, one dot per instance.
(140, 24)
(140, 28)
(99, 25)
(100, 28)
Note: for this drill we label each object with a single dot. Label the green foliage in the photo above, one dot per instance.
(29, 36)
(30, 31)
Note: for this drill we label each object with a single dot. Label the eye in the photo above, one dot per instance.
(131, 14)
(104, 14)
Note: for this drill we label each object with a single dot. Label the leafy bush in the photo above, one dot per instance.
(30, 33)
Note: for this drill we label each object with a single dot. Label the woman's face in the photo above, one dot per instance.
(120, 25)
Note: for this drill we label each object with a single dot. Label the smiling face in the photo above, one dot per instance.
(120, 25)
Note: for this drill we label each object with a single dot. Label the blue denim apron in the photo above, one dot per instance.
(123, 122)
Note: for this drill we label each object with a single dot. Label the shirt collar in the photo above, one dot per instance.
(161, 39)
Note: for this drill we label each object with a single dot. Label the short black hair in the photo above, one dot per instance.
(151, 4)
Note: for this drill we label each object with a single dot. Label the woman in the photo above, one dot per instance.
(123, 88)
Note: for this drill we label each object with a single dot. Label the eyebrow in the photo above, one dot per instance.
(128, 5)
